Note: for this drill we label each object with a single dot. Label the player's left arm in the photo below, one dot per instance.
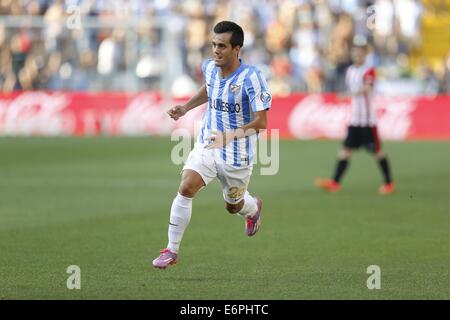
(258, 124)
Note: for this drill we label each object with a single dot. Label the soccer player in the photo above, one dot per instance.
(362, 131)
(238, 100)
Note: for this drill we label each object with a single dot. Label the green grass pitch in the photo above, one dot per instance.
(103, 204)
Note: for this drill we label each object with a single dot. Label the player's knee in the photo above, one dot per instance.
(188, 189)
(379, 154)
(234, 208)
(344, 154)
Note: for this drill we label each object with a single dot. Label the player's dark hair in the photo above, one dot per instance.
(237, 34)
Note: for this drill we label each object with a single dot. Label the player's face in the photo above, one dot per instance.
(223, 53)
(358, 55)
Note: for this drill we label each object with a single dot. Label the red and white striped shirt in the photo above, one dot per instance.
(363, 112)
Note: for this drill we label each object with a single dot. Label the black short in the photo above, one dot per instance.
(362, 136)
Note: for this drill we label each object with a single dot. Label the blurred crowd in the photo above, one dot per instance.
(300, 45)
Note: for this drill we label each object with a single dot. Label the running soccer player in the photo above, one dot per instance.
(238, 100)
(362, 131)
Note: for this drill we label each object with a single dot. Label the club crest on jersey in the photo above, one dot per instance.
(234, 88)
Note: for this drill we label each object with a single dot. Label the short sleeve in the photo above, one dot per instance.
(258, 91)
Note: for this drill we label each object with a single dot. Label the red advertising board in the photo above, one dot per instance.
(296, 116)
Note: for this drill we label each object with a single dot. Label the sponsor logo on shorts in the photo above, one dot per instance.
(236, 192)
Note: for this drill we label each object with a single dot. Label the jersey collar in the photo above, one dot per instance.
(238, 69)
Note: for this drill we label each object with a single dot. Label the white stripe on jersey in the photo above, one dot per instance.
(240, 120)
(255, 82)
(257, 85)
(363, 114)
(205, 120)
(225, 118)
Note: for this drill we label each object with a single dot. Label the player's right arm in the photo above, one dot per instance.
(201, 97)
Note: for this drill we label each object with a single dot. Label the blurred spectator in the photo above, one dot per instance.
(111, 53)
(409, 24)
(443, 75)
(300, 45)
(425, 74)
(280, 70)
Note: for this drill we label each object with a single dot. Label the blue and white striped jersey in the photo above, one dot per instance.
(232, 102)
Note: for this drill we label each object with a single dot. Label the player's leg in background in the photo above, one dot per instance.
(383, 163)
(342, 163)
(333, 185)
(384, 166)
(181, 210)
(351, 141)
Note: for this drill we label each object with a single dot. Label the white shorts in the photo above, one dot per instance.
(208, 164)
